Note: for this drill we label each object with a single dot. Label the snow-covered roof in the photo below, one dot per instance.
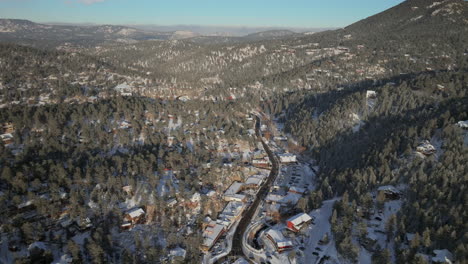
(297, 189)
(39, 245)
(371, 93)
(255, 180)
(178, 252)
(234, 188)
(212, 232)
(463, 124)
(388, 188)
(278, 238)
(443, 256)
(287, 155)
(284, 244)
(136, 212)
(122, 87)
(276, 198)
(276, 235)
(211, 193)
(300, 219)
(196, 197)
(235, 197)
(233, 209)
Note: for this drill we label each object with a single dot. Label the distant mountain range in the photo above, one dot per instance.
(225, 31)
(52, 35)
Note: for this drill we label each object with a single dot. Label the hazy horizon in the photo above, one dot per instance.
(209, 13)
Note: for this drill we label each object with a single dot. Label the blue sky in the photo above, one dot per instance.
(284, 13)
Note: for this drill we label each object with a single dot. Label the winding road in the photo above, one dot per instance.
(262, 193)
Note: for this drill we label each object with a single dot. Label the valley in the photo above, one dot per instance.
(124, 144)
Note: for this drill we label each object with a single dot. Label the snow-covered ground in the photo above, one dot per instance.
(317, 231)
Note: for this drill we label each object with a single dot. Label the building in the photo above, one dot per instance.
(297, 190)
(287, 158)
(426, 148)
(296, 223)
(390, 192)
(231, 194)
(232, 212)
(254, 182)
(279, 241)
(234, 188)
(134, 216)
(261, 163)
(172, 202)
(211, 235)
(371, 94)
(281, 138)
(236, 198)
(274, 198)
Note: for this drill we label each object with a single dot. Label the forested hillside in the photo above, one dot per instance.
(101, 123)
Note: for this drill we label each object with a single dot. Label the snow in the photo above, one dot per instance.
(434, 4)
(442, 255)
(39, 245)
(64, 259)
(356, 120)
(137, 212)
(416, 18)
(178, 252)
(317, 231)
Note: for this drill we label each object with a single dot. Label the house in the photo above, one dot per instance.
(442, 256)
(280, 138)
(134, 216)
(128, 189)
(8, 128)
(426, 148)
(371, 94)
(7, 138)
(287, 158)
(296, 223)
(279, 241)
(297, 190)
(211, 235)
(390, 192)
(196, 198)
(172, 202)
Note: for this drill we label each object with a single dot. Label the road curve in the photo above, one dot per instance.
(262, 193)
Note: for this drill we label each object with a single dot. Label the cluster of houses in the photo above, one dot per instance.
(237, 203)
(7, 133)
(279, 237)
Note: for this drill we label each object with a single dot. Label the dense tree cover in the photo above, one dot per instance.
(82, 150)
(381, 151)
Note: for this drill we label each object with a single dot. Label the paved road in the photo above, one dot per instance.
(262, 193)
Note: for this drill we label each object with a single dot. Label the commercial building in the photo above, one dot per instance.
(296, 223)
(287, 158)
(211, 235)
(279, 241)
